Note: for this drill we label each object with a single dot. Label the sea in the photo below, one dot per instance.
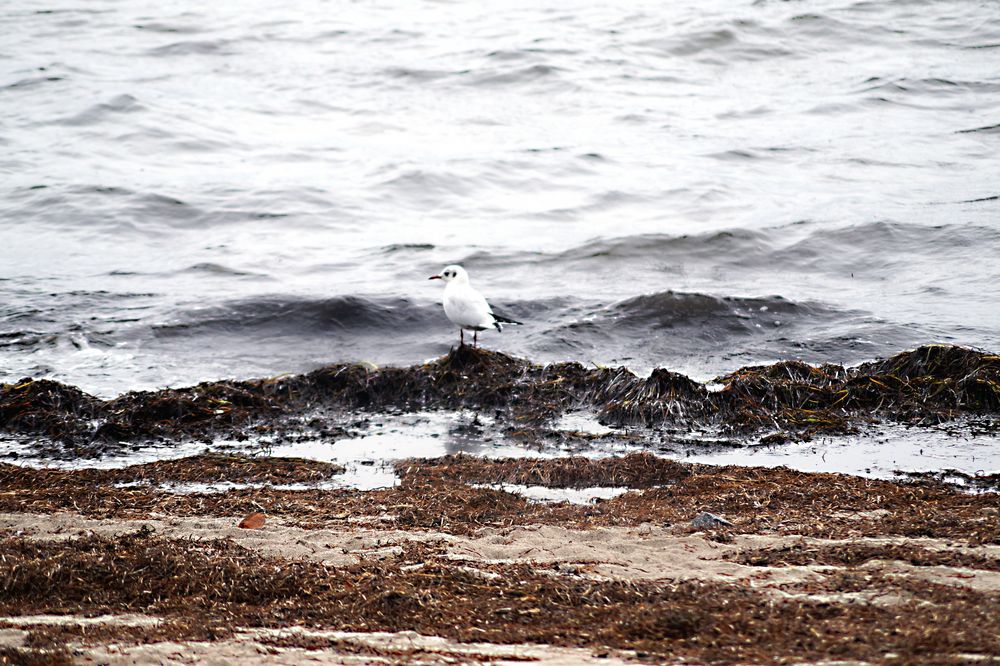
(193, 191)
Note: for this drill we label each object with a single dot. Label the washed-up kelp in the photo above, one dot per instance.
(929, 385)
(446, 495)
(636, 470)
(215, 587)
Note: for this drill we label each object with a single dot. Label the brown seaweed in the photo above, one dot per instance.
(436, 494)
(207, 589)
(789, 400)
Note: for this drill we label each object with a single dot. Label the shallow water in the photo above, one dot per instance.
(369, 457)
(192, 192)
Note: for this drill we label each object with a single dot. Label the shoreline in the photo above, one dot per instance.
(929, 413)
(680, 562)
(784, 402)
(814, 566)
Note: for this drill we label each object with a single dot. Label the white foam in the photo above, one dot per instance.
(546, 494)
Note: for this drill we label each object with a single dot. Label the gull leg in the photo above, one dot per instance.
(461, 338)
(475, 339)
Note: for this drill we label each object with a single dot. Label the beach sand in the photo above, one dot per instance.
(815, 568)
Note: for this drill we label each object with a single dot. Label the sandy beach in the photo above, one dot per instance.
(580, 555)
(707, 369)
(814, 568)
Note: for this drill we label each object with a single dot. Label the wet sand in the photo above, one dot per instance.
(452, 563)
(787, 401)
(439, 569)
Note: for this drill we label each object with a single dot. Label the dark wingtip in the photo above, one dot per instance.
(505, 320)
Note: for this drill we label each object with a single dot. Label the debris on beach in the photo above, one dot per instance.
(781, 402)
(218, 588)
(636, 470)
(883, 567)
(444, 494)
(253, 521)
(709, 520)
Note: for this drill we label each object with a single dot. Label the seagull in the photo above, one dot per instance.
(466, 307)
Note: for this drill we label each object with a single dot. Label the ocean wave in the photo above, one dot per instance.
(99, 113)
(213, 268)
(681, 325)
(582, 164)
(671, 309)
(986, 129)
(714, 316)
(787, 247)
(519, 75)
(194, 47)
(302, 316)
(31, 82)
(687, 246)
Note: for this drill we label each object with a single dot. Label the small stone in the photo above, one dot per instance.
(254, 521)
(706, 519)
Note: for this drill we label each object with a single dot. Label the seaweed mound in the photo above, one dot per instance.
(636, 470)
(663, 396)
(931, 384)
(952, 379)
(44, 407)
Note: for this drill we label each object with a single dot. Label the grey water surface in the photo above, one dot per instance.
(194, 190)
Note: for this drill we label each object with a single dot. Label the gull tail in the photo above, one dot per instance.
(500, 319)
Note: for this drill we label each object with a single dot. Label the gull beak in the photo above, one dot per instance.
(435, 277)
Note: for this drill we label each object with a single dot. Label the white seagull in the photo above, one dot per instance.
(466, 307)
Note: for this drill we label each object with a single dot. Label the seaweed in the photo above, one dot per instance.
(856, 554)
(932, 384)
(663, 396)
(45, 407)
(209, 589)
(637, 470)
(215, 467)
(203, 468)
(15, 656)
(781, 402)
(195, 411)
(978, 481)
(436, 494)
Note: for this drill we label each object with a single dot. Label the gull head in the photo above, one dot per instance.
(453, 273)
